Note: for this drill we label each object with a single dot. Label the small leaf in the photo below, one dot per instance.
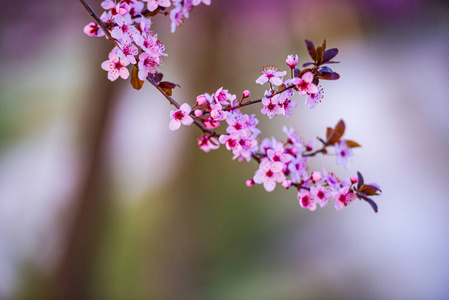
(168, 84)
(326, 69)
(311, 49)
(340, 128)
(296, 72)
(360, 180)
(370, 201)
(329, 133)
(329, 54)
(158, 77)
(307, 64)
(324, 45)
(331, 62)
(304, 71)
(369, 190)
(328, 76)
(135, 81)
(352, 144)
(319, 55)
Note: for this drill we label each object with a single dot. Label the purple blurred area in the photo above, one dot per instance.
(99, 200)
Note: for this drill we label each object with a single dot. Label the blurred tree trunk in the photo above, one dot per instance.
(72, 276)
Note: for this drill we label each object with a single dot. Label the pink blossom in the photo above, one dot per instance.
(286, 184)
(128, 52)
(250, 182)
(316, 176)
(223, 97)
(343, 153)
(343, 197)
(198, 113)
(116, 67)
(231, 141)
(248, 147)
(305, 84)
(313, 99)
(320, 195)
(270, 74)
(147, 64)
(271, 107)
(278, 153)
(203, 99)
(210, 123)
(108, 4)
(287, 105)
(152, 5)
(124, 29)
(207, 143)
(93, 29)
(246, 94)
(306, 200)
(180, 116)
(298, 168)
(217, 113)
(354, 179)
(269, 173)
(292, 61)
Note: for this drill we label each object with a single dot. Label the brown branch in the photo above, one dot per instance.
(99, 22)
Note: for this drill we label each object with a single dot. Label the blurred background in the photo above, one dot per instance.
(99, 200)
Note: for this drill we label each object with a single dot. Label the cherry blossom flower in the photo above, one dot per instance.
(271, 107)
(292, 61)
(93, 29)
(128, 52)
(210, 123)
(269, 173)
(116, 67)
(248, 147)
(343, 197)
(124, 29)
(305, 84)
(287, 105)
(108, 4)
(217, 113)
(223, 97)
(320, 195)
(272, 75)
(147, 64)
(152, 5)
(306, 200)
(180, 116)
(298, 168)
(277, 153)
(313, 99)
(231, 141)
(207, 143)
(343, 153)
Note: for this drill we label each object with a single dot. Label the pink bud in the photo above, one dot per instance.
(250, 182)
(201, 100)
(316, 176)
(354, 179)
(246, 94)
(292, 61)
(286, 184)
(198, 113)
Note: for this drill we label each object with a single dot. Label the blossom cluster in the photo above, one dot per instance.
(128, 23)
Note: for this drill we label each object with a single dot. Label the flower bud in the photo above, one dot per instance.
(292, 61)
(354, 179)
(316, 176)
(201, 100)
(246, 94)
(198, 113)
(250, 182)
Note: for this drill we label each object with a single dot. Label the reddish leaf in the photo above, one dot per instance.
(369, 190)
(307, 64)
(135, 81)
(168, 84)
(329, 76)
(340, 128)
(329, 54)
(352, 144)
(319, 55)
(370, 201)
(329, 133)
(324, 45)
(311, 49)
(360, 180)
(158, 77)
(296, 72)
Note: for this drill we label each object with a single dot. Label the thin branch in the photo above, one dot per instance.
(99, 21)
